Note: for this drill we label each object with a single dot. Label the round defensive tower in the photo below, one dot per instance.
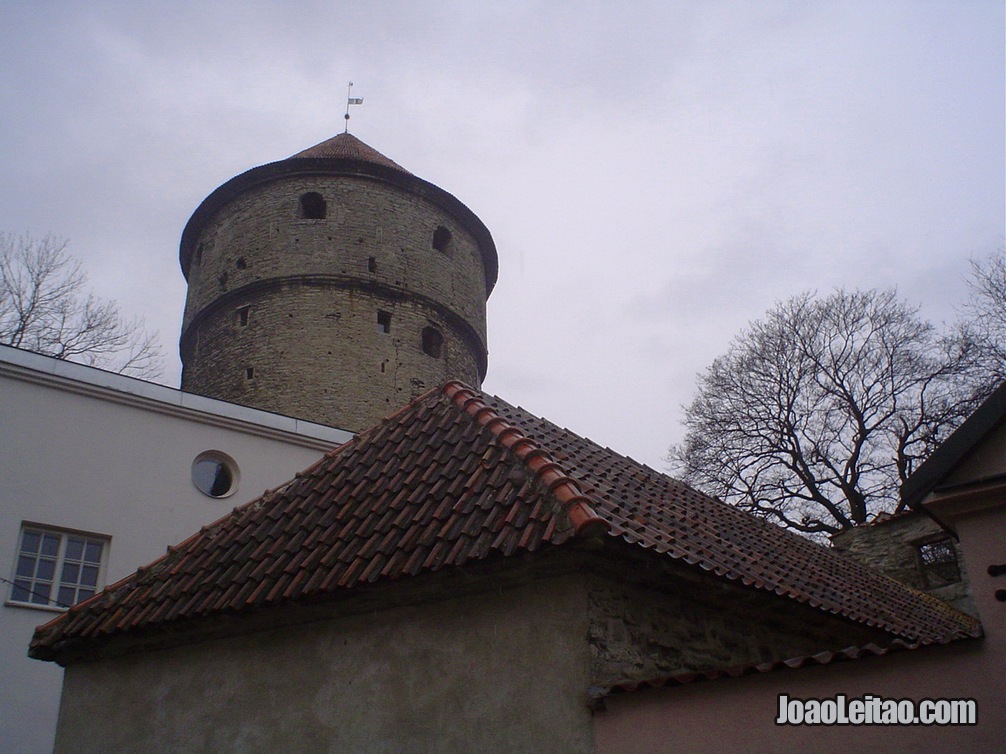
(333, 286)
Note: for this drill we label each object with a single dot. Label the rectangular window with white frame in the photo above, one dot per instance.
(57, 568)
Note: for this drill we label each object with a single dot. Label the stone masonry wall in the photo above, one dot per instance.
(365, 218)
(316, 352)
(637, 632)
(311, 291)
(891, 546)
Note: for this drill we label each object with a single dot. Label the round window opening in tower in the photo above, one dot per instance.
(312, 206)
(215, 474)
(433, 342)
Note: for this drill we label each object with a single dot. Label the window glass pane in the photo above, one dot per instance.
(209, 476)
(46, 569)
(84, 593)
(20, 591)
(71, 573)
(40, 593)
(89, 576)
(50, 544)
(92, 553)
(74, 548)
(66, 596)
(203, 473)
(213, 476)
(25, 566)
(221, 481)
(29, 543)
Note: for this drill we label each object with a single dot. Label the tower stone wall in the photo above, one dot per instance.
(333, 286)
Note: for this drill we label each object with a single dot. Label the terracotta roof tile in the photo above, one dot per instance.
(457, 476)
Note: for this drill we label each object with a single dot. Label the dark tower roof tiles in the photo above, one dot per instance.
(347, 147)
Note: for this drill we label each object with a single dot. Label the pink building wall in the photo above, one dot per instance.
(737, 715)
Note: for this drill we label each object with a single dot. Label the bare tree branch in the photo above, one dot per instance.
(43, 308)
(819, 411)
(984, 326)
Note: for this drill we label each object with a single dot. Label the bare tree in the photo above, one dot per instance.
(819, 411)
(44, 308)
(984, 325)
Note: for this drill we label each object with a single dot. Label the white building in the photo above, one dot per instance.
(98, 474)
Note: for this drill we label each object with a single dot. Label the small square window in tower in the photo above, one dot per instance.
(433, 342)
(312, 206)
(383, 322)
(441, 238)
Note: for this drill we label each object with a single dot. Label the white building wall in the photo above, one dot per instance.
(93, 451)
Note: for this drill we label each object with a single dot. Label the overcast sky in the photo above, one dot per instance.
(655, 174)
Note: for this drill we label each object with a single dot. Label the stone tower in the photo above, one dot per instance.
(333, 286)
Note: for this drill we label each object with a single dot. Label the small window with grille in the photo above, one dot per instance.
(938, 562)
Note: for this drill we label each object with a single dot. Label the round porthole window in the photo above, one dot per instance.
(215, 474)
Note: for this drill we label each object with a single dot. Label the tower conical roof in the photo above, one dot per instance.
(346, 146)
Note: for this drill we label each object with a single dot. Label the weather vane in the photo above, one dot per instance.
(351, 100)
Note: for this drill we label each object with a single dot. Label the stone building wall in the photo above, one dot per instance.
(296, 301)
(639, 632)
(315, 352)
(896, 546)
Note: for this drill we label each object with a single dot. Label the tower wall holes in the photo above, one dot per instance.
(313, 206)
(433, 342)
(441, 238)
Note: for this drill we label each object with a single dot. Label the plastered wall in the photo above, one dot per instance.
(496, 672)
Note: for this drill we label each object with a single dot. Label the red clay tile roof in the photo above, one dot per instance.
(347, 146)
(458, 476)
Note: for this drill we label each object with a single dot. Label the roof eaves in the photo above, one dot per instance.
(989, 415)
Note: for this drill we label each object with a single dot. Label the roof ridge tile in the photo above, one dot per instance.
(576, 505)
